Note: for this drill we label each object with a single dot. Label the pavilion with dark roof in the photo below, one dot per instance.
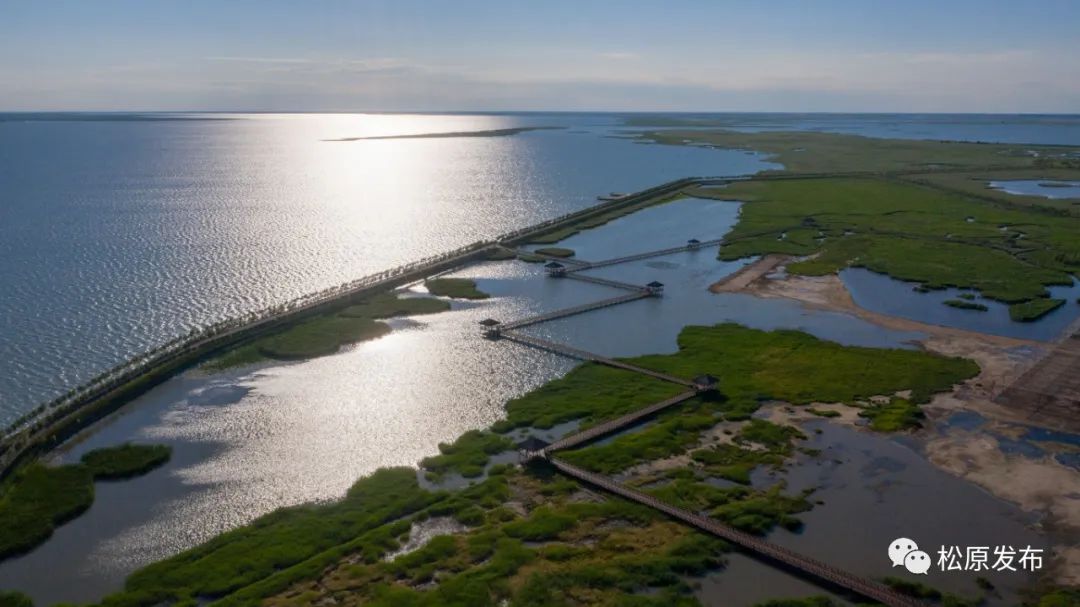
(705, 382)
(555, 268)
(655, 288)
(492, 328)
(693, 243)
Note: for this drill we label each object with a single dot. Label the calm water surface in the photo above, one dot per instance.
(880, 293)
(117, 235)
(1039, 187)
(254, 439)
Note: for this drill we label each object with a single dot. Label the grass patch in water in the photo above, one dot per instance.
(964, 304)
(125, 461)
(325, 335)
(899, 415)
(457, 288)
(38, 498)
(555, 252)
(467, 456)
(1033, 310)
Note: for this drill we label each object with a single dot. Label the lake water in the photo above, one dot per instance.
(117, 235)
(880, 293)
(1039, 187)
(251, 440)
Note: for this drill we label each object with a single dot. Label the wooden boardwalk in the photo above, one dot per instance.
(607, 282)
(657, 253)
(617, 424)
(567, 351)
(587, 265)
(827, 573)
(596, 305)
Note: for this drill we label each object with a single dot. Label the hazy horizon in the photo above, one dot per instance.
(839, 56)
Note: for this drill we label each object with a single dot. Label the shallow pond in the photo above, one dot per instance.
(877, 488)
(1047, 188)
(886, 295)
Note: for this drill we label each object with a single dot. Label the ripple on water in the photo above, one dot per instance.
(251, 440)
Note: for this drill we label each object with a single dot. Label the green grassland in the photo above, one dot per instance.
(976, 184)
(906, 231)
(40, 497)
(807, 152)
(458, 288)
(326, 334)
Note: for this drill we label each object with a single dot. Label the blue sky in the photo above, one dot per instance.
(333, 55)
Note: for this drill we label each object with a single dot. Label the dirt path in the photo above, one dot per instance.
(748, 274)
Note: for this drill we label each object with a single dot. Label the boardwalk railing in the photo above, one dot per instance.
(617, 424)
(832, 575)
(646, 255)
(607, 282)
(567, 351)
(596, 305)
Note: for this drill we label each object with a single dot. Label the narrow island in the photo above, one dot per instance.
(455, 134)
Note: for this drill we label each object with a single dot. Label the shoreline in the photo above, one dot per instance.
(1038, 486)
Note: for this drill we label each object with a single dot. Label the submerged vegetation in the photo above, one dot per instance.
(458, 288)
(40, 497)
(327, 334)
(908, 232)
(965, 304)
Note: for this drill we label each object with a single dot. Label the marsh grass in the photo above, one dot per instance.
(1030, 311)
(125, 461)
(457, 288)
(808, 152)
(39, 497)
(965, 304)
(908, 232)
(327, 334)
(556, 251)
